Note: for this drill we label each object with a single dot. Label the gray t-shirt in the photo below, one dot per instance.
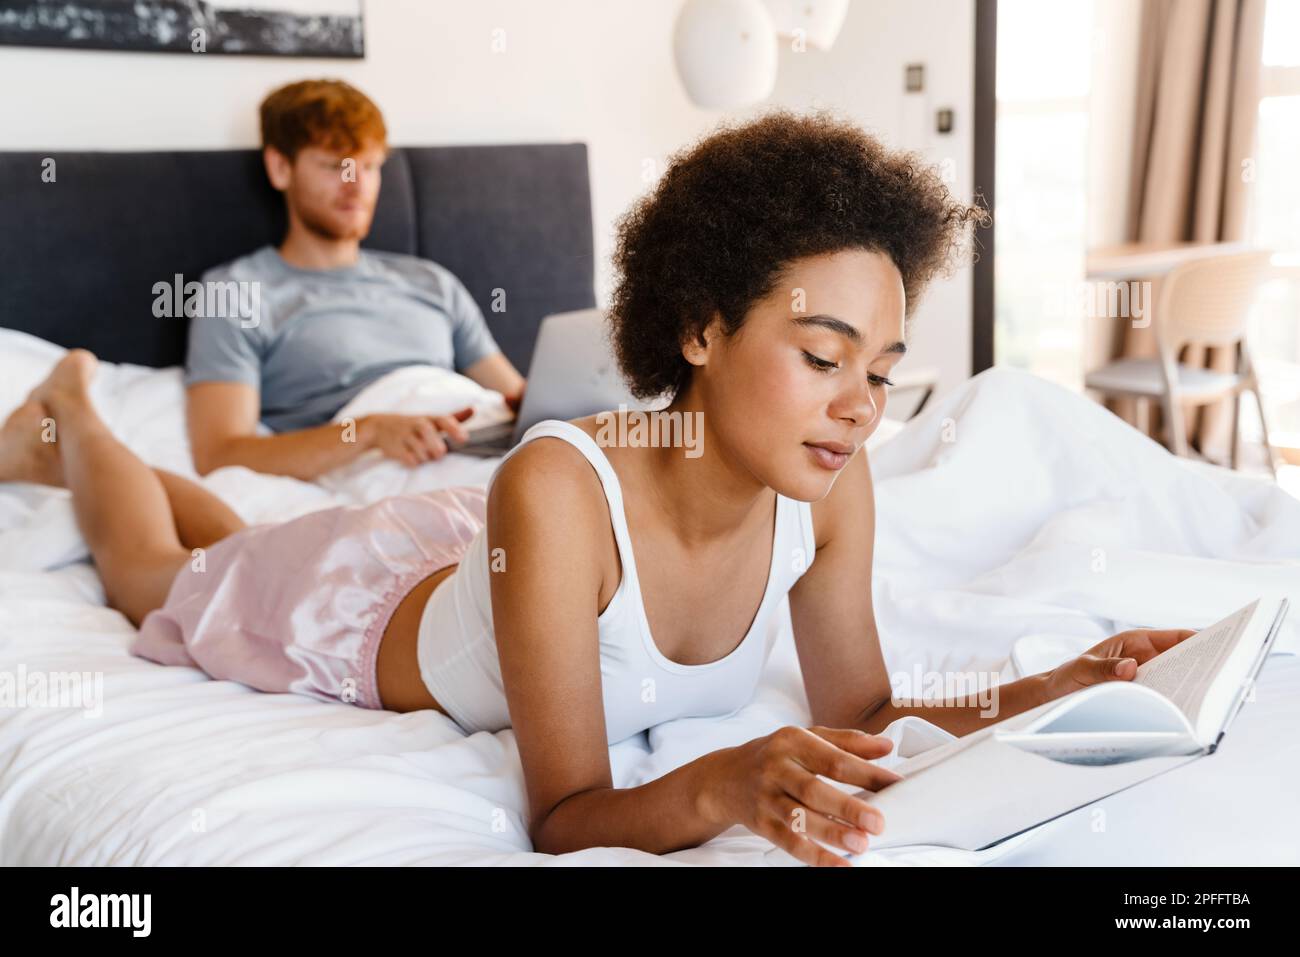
(319, 336)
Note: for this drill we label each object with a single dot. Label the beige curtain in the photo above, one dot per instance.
(1196, 116)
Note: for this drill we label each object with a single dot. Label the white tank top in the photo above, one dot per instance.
(640, 686)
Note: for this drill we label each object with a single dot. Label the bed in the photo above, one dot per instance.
(1018, 523)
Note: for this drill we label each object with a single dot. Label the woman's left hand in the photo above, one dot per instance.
(1115, 659)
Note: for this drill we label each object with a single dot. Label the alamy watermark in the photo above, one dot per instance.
(940, 689)
(214, 299)
(1099, 300)
(130, 911)
(637, 428)
(82, 690)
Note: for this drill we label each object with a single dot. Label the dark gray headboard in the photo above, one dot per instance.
(79, 256)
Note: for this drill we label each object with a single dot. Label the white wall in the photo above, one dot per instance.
(862, 76)
(600, 71)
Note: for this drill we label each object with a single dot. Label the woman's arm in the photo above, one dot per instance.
(835, 632)
(839, 646)
(954, 716)
(1115, 659)
(548, 530)
(835, 625)
(831, 609)
(549, 541)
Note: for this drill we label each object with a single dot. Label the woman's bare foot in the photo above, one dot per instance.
(28, 440)
(69, 380)
(27, 449)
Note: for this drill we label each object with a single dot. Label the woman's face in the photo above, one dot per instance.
(799, 388)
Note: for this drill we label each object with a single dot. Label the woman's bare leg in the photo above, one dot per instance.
(201, 519)
(120, 503)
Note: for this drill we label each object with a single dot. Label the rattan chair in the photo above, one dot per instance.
(1204, 301)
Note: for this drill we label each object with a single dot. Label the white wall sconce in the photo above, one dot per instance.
(726, 52)
(817, 21)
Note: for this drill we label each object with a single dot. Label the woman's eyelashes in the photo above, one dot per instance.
(825, 365)
(818, 363)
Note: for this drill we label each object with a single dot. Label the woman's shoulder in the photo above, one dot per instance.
(556, 448)
(547, 473)
(547, 501)
(591, 424)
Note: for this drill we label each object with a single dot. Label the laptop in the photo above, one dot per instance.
(572, 374)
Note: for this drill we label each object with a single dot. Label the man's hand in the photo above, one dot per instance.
(516, 400)
(496, 373)
(1115, 659)
(413, 439)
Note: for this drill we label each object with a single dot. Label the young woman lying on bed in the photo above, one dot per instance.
(597, 589)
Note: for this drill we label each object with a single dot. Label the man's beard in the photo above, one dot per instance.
(321, 227)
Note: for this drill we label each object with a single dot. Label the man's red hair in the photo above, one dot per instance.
(329, 114)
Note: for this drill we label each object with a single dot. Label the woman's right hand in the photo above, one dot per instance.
(771, 786)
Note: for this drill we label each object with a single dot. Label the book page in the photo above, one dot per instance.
(938, 753)
(1185, 672)
(1102, 747)
(943, 752)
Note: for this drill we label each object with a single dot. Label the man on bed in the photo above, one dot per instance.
(331, 318)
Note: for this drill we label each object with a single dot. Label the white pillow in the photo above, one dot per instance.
(24, 361)
(427, 390)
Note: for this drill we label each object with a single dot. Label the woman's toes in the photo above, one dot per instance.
(71, 375)
(82, 362)
(77, 368)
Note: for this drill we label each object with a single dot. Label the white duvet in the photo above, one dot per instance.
(1017, 524)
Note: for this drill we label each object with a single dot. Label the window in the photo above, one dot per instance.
(1274, 223)
(1043, 82)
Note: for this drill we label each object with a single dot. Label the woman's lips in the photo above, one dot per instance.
(828, 459)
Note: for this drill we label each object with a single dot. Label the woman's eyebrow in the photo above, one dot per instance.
(830, 322)
(848, 331)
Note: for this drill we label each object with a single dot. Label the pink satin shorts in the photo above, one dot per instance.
(301, 605)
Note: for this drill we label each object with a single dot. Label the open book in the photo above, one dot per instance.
(1005, 778)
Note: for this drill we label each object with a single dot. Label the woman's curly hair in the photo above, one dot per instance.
(733, 210)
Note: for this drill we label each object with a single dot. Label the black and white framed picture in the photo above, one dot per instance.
(315, 28)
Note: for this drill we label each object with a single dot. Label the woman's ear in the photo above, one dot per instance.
(696, 346)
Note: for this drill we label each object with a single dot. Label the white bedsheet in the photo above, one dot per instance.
(1013, 516)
